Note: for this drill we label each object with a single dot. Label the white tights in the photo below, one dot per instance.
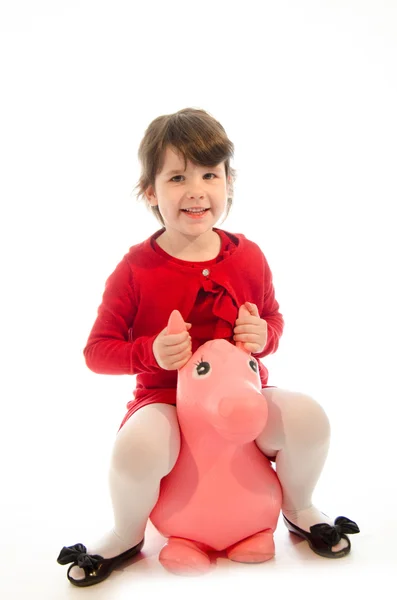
(297, 433)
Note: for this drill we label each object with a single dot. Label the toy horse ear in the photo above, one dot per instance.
(242, 312)
(176, 324)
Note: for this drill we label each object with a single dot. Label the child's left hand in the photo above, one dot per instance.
(251, 329)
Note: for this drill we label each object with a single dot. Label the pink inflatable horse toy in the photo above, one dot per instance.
(222, 494)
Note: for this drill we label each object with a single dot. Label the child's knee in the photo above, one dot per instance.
(300, 416)
(308, 419)
(149, 444)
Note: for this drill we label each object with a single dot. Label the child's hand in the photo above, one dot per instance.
(252, 330)
(172, 351)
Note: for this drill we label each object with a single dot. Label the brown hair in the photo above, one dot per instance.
(196, 135)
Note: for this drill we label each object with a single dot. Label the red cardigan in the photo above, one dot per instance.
(144, 289)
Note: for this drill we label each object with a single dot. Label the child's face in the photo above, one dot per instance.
(177, 190)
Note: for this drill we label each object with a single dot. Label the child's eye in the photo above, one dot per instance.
(176, 176)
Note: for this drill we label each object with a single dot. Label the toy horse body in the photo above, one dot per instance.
(222, 493)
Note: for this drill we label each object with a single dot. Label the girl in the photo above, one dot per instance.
(206, 273)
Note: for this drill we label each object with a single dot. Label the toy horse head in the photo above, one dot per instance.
(220, 386)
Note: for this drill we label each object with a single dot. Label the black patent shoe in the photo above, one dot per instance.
(96, 568)
(323, 537)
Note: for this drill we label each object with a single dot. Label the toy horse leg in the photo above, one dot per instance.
(255, 549)
(184, 557)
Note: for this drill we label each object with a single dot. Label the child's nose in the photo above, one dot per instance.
(195, 187)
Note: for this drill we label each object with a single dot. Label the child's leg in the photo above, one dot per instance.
(146, 449)
(297, 434)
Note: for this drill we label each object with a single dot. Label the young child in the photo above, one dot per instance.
(207, 274)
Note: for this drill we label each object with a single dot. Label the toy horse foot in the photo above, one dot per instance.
(255, 549)
(184, 557)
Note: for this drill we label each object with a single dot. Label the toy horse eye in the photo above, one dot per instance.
(203, 368)
(254, 365)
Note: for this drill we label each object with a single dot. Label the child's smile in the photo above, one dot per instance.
(195, 213)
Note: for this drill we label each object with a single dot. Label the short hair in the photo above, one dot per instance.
(194, 134)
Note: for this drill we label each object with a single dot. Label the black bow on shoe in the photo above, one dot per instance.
(331, 534)
(78, 554)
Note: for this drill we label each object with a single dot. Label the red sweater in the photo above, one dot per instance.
(148, 284)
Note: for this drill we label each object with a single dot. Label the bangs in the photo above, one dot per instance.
(196, 141)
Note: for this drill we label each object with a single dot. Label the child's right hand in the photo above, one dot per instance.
(172, 351)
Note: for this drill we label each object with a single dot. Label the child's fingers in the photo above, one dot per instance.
(252, 309)
(173, 339)
(251, 347)
(248, 321)
(178, 348)
(246, 328)
(246, 337)
(181, 363)
(179, 360)
(176, 361)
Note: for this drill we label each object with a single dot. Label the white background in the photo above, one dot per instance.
(307, 91)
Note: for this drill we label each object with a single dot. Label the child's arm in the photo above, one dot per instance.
(271, 314)
(109, 349)
(260, 332)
